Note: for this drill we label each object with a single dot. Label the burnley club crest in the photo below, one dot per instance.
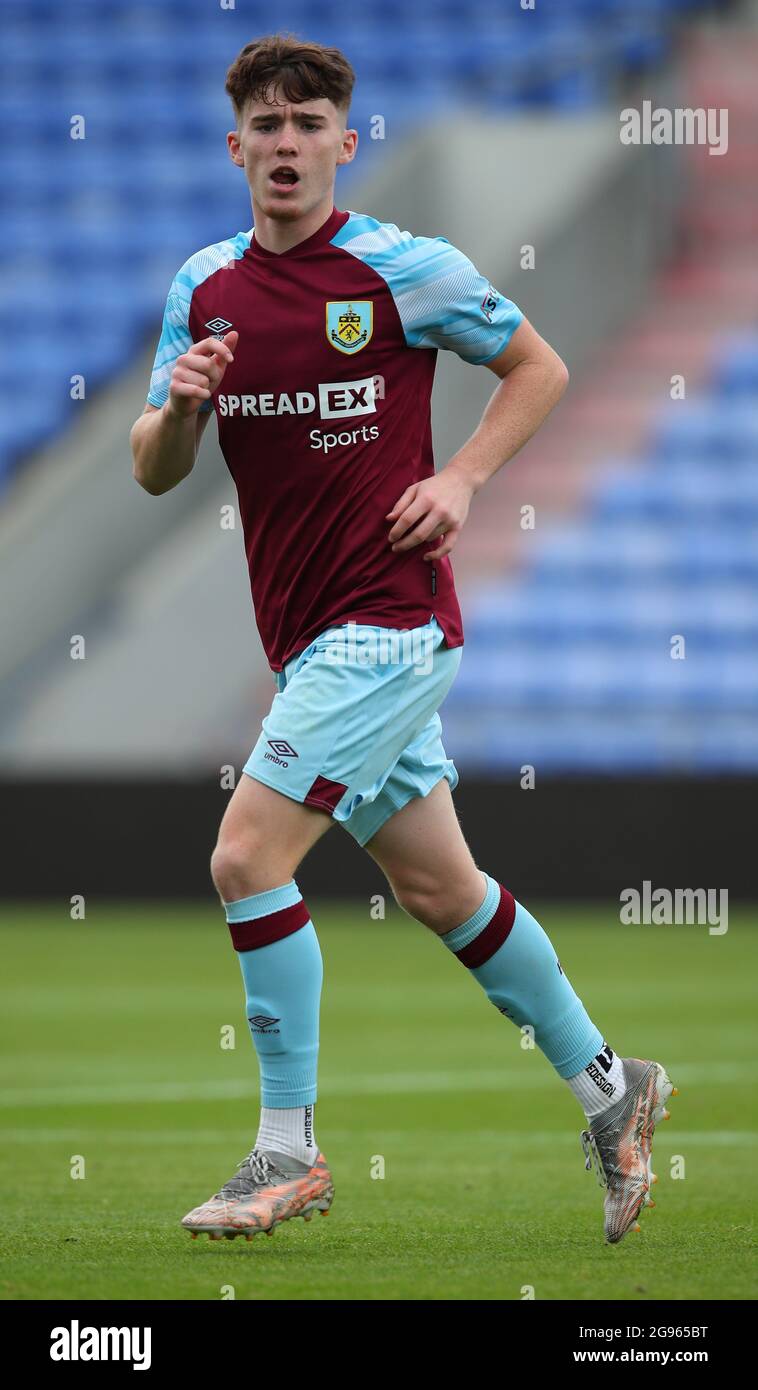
(349, 325)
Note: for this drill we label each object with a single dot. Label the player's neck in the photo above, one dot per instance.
(277, 234)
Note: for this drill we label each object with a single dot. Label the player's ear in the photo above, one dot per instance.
(349, 147)
(235, 150)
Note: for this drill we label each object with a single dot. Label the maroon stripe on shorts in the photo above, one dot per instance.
(324, 794)
(261, 931)
(491, 937)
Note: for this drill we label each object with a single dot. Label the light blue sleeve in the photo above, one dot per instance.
(444, 302)
(442, 299)
(175, 334)
(174, 340)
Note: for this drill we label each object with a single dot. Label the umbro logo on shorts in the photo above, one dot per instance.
(282, 748)
(281, 751)
(261, 1023)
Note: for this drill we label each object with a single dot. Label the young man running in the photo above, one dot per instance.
(315, 336)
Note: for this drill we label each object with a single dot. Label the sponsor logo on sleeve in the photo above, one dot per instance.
(490, 303)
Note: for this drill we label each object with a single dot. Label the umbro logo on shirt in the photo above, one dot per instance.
(218, 327)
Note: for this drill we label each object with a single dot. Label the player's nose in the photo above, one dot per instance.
(287, 144)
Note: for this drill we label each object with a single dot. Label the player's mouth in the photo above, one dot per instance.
(284, 176)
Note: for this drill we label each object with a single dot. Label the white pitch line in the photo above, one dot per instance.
(388, 1083)
(516, 1139)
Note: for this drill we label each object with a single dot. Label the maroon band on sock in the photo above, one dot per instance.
(261, 931)
(491, 938)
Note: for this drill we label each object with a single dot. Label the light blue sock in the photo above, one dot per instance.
(282, 969)
(513, 960)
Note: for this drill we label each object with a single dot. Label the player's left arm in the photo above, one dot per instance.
(532, 380)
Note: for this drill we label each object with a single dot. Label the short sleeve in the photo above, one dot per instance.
(174, 340)
(444, 302)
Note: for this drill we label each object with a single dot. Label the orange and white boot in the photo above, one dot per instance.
(620, 1142)
(267, 1189)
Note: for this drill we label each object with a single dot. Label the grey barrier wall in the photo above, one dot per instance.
(573, 839)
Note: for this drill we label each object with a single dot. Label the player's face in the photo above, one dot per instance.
(290, 152)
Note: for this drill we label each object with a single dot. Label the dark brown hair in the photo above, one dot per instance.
(304, 72)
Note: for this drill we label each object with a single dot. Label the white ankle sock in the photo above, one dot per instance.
(600, 1084)
(288, 1132)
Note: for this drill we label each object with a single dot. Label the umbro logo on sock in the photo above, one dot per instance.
(261, 1023)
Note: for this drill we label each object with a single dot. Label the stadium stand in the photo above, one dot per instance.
(648, 508)
(659, 540)
(97, 224)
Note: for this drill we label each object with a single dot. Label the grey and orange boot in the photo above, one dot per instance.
(267, 1189)
(620, 1142)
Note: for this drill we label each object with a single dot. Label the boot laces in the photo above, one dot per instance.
(591, 1154)
(253, 1172)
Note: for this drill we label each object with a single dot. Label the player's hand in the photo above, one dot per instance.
(435, 507)
(197, 373)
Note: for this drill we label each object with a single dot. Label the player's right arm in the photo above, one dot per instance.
(165, 439)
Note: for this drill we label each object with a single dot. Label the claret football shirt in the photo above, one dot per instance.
(324, 416)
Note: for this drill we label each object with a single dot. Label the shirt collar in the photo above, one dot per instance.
(324, 233)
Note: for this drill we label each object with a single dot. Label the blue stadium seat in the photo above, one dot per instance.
(736, 371)
(571, 667)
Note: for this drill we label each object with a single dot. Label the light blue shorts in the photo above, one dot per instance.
(353, 729)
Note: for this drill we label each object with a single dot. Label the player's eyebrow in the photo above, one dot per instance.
(268, 117)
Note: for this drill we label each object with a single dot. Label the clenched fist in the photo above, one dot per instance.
(197, 373)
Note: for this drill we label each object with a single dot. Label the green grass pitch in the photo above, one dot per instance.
(112, 1052)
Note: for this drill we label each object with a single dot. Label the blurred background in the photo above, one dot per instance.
(500, 129)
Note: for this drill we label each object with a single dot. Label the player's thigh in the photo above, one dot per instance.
(424, 855)
(266, 831)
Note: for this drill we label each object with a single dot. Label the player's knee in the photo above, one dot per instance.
(419, 900)
(440, 903)
(235, 868)
(242, 865)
